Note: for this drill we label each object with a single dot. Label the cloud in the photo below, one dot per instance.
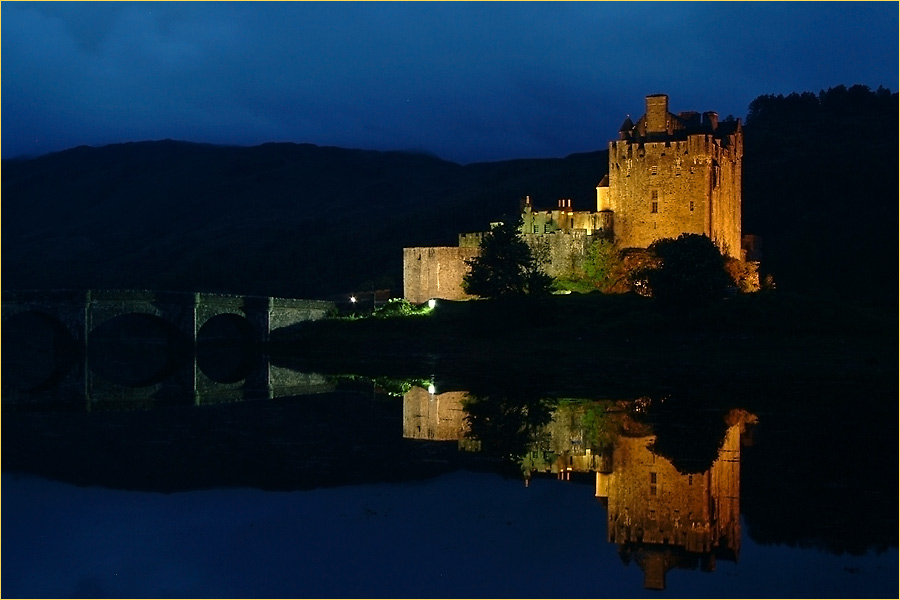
(465, 81)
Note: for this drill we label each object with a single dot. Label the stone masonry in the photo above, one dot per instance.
(668, 174)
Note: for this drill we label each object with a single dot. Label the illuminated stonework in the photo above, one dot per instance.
(663, 519)
(668, 174)
(430, 416)
(672, 174)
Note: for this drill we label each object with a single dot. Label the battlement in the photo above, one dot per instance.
(667, 174)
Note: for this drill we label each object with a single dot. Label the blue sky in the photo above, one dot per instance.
(464, 81)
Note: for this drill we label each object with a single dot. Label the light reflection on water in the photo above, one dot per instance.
(459, 535)
(599, 508)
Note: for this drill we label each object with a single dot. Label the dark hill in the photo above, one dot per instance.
(302, 220)
(820, 187)
(275, 219)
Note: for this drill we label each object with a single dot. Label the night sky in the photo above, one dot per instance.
(465, 82)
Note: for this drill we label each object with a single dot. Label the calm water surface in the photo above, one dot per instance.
(402, 489)
(461, 535)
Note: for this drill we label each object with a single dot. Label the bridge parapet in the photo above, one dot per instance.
(290, 311)
(76, 314)
(68, 308)
(255, 309)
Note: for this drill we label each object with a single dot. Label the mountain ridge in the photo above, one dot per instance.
(287, 219)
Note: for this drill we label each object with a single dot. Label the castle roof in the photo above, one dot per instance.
(680, 127)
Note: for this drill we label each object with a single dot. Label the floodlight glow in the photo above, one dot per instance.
(431, 388)
(432, 303)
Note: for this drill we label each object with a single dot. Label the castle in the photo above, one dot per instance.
(668, 174)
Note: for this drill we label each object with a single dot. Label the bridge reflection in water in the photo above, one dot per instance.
(660, 517)
(132, 348)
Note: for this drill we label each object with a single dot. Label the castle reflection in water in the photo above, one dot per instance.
(659, 517)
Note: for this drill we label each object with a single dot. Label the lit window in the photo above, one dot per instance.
(653, 170)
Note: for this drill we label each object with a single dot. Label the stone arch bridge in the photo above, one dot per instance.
(83, 340)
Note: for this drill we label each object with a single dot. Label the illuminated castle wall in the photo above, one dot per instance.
(664, 519)
(668, 174)
(672, 174)
(430, 416)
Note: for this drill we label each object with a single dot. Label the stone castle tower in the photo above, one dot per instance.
(672, 174)
(668, 174)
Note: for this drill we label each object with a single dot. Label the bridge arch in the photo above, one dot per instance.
(45, 351)
(180, 322)
(228, 348)
(137, 349)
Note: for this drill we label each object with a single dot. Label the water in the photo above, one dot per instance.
(336, 487)
(462, 534)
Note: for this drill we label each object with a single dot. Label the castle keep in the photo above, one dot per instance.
(668, 174)
(671, 174)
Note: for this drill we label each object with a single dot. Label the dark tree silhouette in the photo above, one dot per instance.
(506, 266)
(689, 269)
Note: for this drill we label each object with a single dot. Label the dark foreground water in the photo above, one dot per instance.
(330, 486)
(462, 534)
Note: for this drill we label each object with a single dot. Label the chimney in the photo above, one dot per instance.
(711, 119)
(657, 115)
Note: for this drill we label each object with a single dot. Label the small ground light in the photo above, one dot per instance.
(431, 388)
(432, 303)
(353, 299)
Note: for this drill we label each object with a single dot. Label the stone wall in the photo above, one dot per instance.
(667, 175)
(433, 416)
(651, 503)
(663, 189)
(671, 174)
(435, 272)
(565, 251)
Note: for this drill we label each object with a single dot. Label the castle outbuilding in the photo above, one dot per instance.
(668, 174)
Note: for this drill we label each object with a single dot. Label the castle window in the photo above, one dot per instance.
(654, 207)
(546, 227)
(652, 477)
(653, 170)
(692, 206)
(535, 228)
(690, 480)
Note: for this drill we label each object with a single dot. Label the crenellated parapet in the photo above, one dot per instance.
(667, 174)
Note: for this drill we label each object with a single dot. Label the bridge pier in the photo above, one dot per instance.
(189, 322)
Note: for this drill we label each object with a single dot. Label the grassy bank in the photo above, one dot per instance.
(620, 344)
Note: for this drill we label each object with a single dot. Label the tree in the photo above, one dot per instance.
(506, 266)
(603, 267)
(688, 269)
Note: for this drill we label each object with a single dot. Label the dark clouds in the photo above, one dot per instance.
(467, 82)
